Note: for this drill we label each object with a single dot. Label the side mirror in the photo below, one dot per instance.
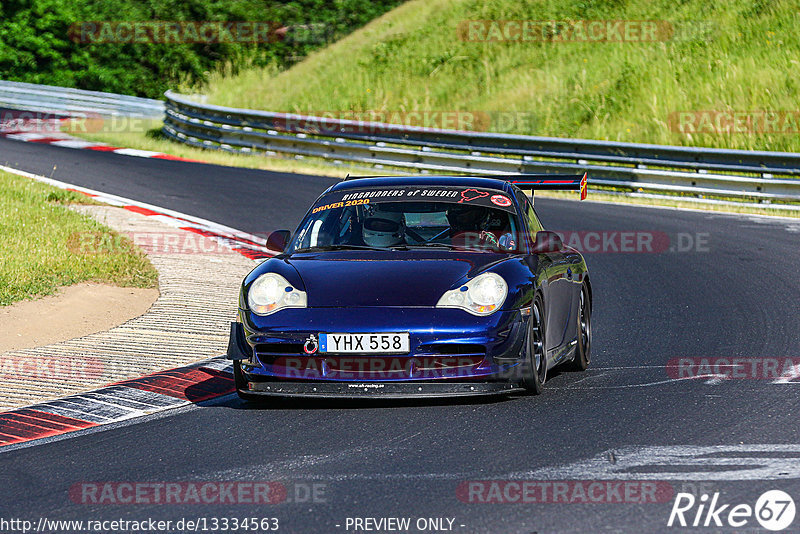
(547, 241)
(278, 240)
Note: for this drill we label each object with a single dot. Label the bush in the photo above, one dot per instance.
(38, 40)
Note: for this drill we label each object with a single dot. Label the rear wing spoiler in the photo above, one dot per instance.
(566, 182)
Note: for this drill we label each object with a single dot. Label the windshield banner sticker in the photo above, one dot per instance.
(457, 195)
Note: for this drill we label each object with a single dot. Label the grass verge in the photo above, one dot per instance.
(37, 252)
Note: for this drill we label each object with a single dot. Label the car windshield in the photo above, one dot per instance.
(455, 218)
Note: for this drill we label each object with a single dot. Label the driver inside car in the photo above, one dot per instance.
(469, 226)
(384, 228)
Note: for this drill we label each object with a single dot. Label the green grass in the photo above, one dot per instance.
(411, 59)
(40, 249)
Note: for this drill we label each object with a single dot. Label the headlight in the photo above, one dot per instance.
(272, 292)
(482, 295)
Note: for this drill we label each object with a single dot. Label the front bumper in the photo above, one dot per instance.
(452, 353)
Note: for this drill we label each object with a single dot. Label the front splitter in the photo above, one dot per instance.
(379, 389)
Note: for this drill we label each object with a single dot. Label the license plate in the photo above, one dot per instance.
(391, 343)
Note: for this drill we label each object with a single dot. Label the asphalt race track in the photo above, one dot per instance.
(193, 188)
(727, 289)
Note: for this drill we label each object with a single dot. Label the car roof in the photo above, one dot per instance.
(423, 180)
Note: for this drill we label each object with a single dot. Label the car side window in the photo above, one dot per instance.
(533, 221)
(530, 216)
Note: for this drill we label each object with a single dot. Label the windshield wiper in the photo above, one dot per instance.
(457, 247)
(340, 247)
(432, 244)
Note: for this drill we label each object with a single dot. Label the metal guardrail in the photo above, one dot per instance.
(66, 101)
(701, 171)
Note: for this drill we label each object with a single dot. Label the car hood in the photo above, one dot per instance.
(342, 279)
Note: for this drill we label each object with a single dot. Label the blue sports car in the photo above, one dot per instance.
(421, 286)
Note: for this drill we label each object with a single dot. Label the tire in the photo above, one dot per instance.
(240, 383)
(535, 369)
(582, 357)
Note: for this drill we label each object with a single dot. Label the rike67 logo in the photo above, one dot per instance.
(774, 510)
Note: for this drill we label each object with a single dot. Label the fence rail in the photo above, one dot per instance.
(66, 101)
(735, 173)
